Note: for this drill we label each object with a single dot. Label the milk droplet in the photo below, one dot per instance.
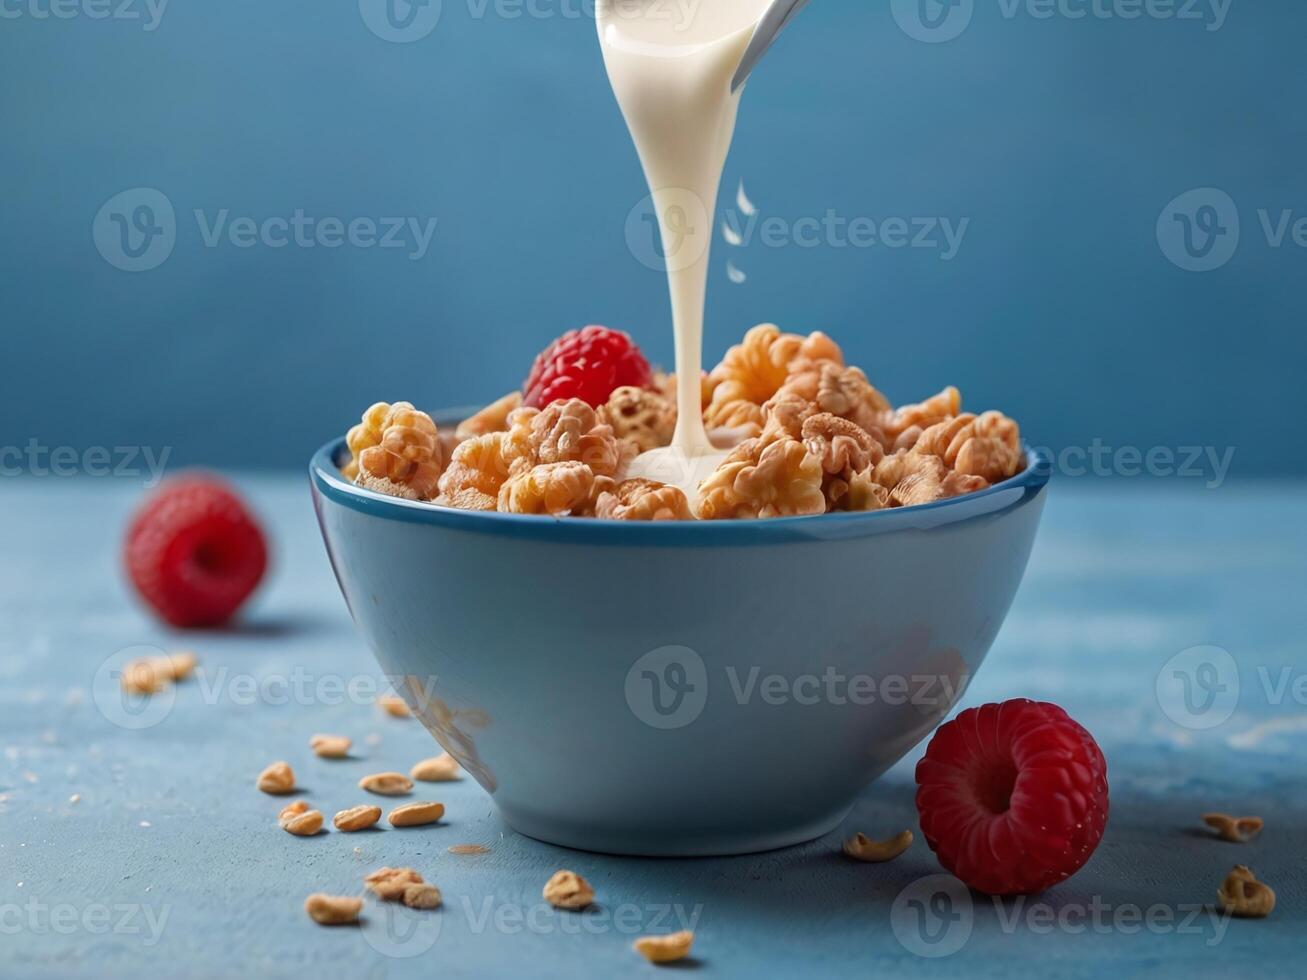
(743, 203)
(733, 274)
(731, 236)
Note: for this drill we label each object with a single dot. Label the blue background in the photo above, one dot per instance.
(1062, 140)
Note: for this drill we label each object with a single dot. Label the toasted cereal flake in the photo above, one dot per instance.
(278, 779)
(330, 746)
(394, 706)
(304, 824)
(387, 783)
(333, 910)
(416, 814)
(421, 895)
(356, 818)
(665, 949)
(438, 769)
(388, 884)
(568, 890)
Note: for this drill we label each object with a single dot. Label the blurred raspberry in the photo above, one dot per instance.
(194, 552)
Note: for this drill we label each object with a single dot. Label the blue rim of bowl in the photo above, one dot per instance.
(326, 480)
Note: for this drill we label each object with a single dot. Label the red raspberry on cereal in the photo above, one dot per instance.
(1012, 797)
(194, 551)
(588, 364)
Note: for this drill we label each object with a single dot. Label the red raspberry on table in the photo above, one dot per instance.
(588, 364)
(194, 552)
(1012, 797)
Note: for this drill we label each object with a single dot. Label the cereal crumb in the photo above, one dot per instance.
(1243, 896)
(568, 890)
(665, 949)
(387, 783)
(330, 746)
(333, 910)
(356, 818)
(278, 779)
(1238, 830)
(860, 847)
(469, 849)
(437, 769)
(388, 884)
(394, 706)
(416, 814)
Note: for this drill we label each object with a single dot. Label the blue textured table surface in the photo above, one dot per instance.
(130, 849)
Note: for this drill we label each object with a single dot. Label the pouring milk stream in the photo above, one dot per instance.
(671, 68)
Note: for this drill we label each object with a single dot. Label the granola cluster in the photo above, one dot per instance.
(806, 433)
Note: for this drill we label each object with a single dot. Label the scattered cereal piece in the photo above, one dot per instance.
(356, 818)
(387, 784)
(422, 895)
(665, 949)
(568, 890)
(1243, 896)
(416, 814)
(860, 847)
(75, 798)
(292, 810)
(304, 824)
(388, 884)
(469, 849)
(1239, 830)
(394, 706)
(278, 779)
(333, 910)
(438, 769)
(330, 746)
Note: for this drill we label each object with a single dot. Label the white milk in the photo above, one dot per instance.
(670, 65)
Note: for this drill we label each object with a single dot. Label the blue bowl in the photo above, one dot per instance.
(678, 688)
